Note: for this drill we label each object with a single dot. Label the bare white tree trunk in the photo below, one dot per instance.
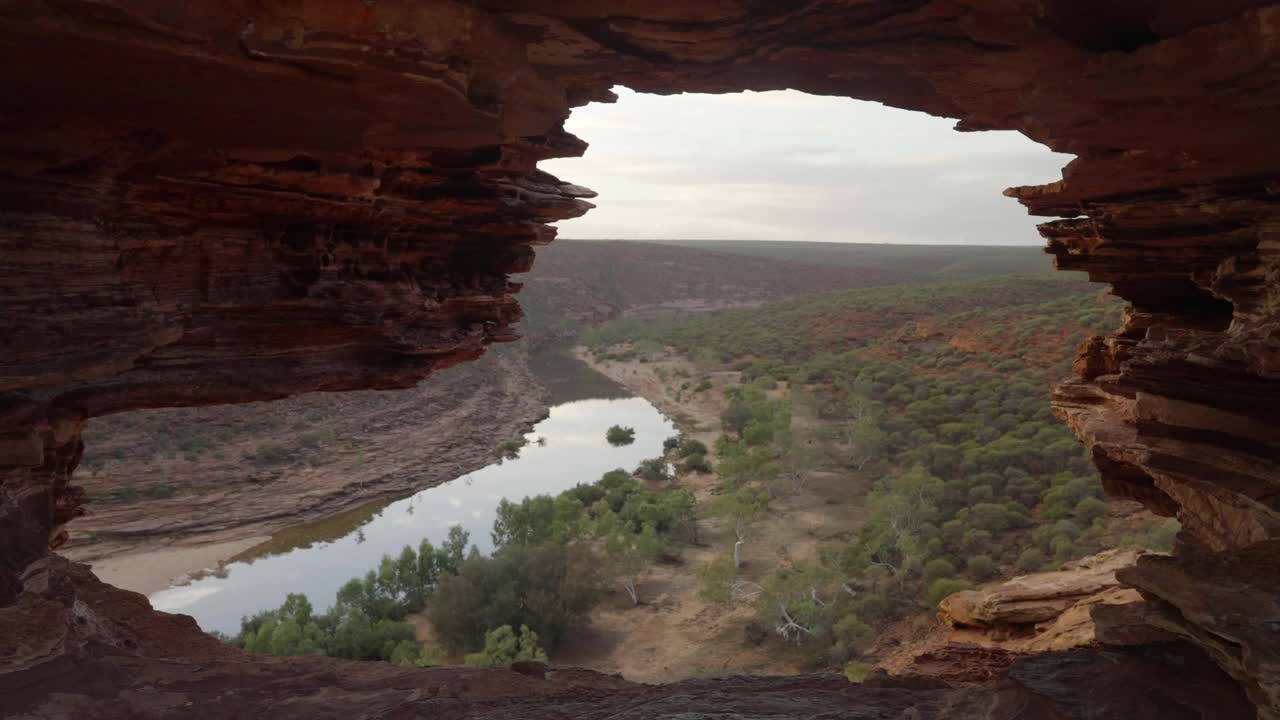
(630, 585)
(737, 546)
(789, 629)
(744, 590)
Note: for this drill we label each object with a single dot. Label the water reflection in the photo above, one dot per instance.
(317, 558)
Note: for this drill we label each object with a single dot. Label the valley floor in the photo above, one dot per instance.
(675, 633)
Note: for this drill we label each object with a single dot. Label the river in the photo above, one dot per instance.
(565, 449)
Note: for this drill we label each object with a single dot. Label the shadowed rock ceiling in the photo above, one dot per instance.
(214, 202)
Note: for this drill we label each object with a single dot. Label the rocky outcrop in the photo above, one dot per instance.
(983, 632)
(107, 655)
(1227, 603)
(224, 202)
(1042, 612)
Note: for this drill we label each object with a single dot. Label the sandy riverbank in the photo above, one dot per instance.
(148, 571)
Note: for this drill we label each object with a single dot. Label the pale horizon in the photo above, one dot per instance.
(788, 167)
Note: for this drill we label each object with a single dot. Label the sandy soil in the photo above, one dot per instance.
(674, 633)
(155, 570)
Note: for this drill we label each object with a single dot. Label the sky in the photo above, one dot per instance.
(789, 166)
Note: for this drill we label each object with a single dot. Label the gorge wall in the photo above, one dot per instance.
(228, 202)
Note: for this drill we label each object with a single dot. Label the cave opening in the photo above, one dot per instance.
(917, 439)
(790, 166)
(158, 164)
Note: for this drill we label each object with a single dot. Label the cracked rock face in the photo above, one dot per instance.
(223, 202)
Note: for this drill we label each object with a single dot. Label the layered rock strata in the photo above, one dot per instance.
(224, 202)
(107, 655)
(1042, 612)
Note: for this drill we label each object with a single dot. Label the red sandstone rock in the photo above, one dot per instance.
(223, 202)
(108, 655)
(1041, 613)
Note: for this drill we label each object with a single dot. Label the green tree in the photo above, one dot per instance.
(938, 568)
(717, 579)
(451, 553)
(1031, 560)
(547, 587)
(630, 553)
(502, 646)
(943, 587)
(654, 470)
(696, 463)
(740, 508)
(539, 519)
(409, 654)
(980, 567)
(865, 441)
(692, 446)
(800, 599)
(1089, 510)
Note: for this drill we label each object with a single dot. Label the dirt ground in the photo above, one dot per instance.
(674, 633)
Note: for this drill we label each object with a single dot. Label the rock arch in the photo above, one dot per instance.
(224, 202)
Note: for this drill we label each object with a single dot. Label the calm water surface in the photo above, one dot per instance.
(318, 558)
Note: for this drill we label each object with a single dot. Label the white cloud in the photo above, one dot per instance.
(178, 598)
(789, 166)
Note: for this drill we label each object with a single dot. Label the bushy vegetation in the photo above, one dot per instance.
(931, 399)
(508, 449)
(937, 397)
(618, 435)
(775, 340)
(553, 557)
(654, 470)
(502, 646)
(365, 620)
(130, 494)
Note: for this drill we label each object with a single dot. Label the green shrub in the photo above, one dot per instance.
(980, 567)
(944, 587)
(854, 633)
(857, 671)
(654, 470)
(502, 647)
(508, 450)
(690, 446)
(1090, 509)
(936, 569)
(696, 464)
(618, 435)
(1031, 560)
(716, 577)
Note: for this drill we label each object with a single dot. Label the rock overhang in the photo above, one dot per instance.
(225, 202)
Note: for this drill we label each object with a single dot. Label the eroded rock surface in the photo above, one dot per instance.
(108, 655)
(225, 202)
(1044, 611)
(983, 632)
